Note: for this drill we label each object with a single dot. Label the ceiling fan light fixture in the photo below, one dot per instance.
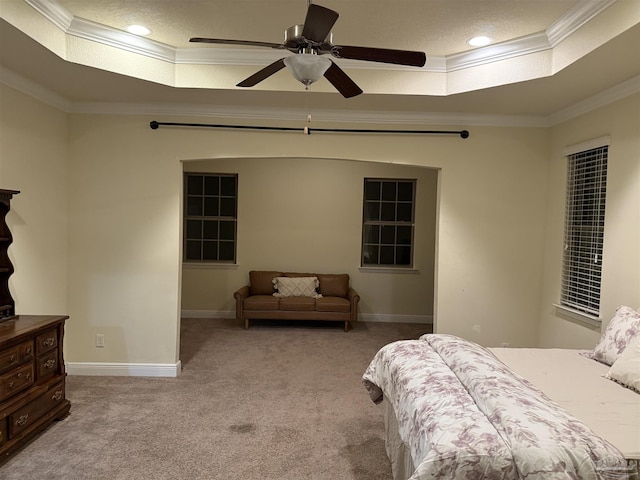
(307, 68)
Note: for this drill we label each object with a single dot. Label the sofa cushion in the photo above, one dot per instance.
(333, 304)
(296, 287)
(298, 304)
(260, 282)
(334, 285)
(260, 302)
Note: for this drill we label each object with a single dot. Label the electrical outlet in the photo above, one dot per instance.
(505, 344)
(99, 340)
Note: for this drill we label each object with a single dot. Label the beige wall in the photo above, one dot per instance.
(124, 269)
(123, 188)
(491, 211)
(621, 257)
(305, 215)
(33, 159)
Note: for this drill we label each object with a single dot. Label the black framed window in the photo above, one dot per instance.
(388, 222)
(210, 217)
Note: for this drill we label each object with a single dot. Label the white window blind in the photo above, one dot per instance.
(584, 230)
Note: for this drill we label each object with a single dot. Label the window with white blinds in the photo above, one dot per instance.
(584, 230)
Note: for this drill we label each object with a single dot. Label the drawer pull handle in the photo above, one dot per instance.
(28, 350)
(49, 342)
(57, 395)
(23, 419)
(27, 377)
(49, 363)
(10, 385)
(13, 358)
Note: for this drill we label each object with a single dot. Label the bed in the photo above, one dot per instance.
(454, 409)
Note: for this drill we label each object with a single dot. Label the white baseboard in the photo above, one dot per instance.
(363, 317)
(391, 318)
(124, 369)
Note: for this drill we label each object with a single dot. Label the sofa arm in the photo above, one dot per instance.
(240, 295)
(354, 298)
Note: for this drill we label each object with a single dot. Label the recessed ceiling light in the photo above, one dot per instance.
(137, 30)
(480, 41)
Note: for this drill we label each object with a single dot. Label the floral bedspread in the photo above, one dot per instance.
(463, 414)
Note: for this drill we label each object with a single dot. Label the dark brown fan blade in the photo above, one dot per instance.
(318, 23)
(223, 41)
(262, 74)
(383, 55)
(342, 82)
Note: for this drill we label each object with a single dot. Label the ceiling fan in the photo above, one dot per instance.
(312, 40)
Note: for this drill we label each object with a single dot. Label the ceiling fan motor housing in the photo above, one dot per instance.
(295, 42)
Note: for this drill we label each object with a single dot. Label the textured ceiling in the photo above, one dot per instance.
(439, 27)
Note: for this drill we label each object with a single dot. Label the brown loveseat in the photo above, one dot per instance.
(332, 299)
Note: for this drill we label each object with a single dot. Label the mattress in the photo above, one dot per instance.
(577, 384)
(455, 410)
(438, 391)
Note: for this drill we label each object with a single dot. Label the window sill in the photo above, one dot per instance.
(207, 265)
(577, 315)
(388, 270)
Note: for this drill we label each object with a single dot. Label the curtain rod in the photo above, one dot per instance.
(308, 130)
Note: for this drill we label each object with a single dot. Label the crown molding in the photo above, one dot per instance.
(575, 18)
(534, 43)
(33, 89)
(264, 56)
(54, 12)
(236, 112)
(613, 94)
(120, 39)
(264, 114)
(583, 12)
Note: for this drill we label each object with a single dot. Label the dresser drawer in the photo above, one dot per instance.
(14, 356)
(47, 365)
(32, 392)
(32, 411)
(4, 432)
(46, 341)
(15, 381)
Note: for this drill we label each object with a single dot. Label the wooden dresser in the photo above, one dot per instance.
(32, 378)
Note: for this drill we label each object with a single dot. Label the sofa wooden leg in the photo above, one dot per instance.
(346, 326)
(246, 324)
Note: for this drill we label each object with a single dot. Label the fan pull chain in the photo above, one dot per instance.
(306, 130)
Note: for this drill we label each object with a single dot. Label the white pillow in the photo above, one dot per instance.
(623, 327)
(626, 369)
(296, 287)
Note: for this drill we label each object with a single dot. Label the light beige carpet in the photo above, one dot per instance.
(281, 401)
